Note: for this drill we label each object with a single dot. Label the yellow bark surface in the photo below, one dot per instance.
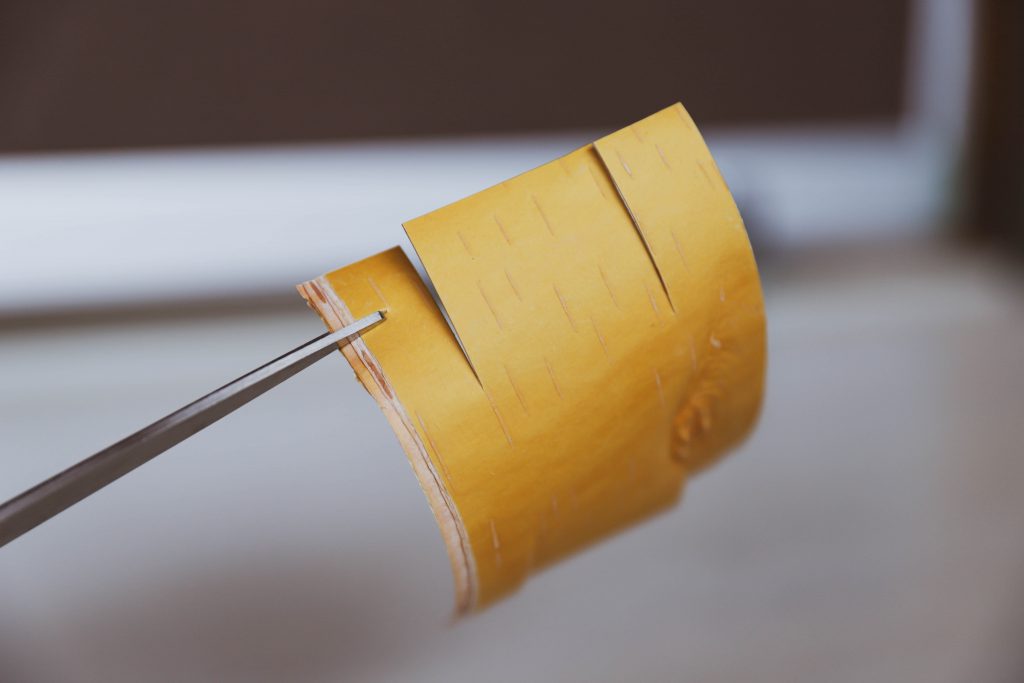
(611, 317)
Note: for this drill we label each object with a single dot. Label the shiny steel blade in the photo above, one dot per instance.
(41, 502)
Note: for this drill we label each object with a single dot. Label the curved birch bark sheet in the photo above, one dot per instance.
(611, 315)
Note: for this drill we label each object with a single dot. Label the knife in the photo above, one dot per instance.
(31, 508)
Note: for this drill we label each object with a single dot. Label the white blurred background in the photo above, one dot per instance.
(169, 173)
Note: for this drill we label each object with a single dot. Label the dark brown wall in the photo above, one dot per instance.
(128, 73)
(997, 183)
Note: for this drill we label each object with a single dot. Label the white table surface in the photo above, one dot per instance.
(871, 530)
